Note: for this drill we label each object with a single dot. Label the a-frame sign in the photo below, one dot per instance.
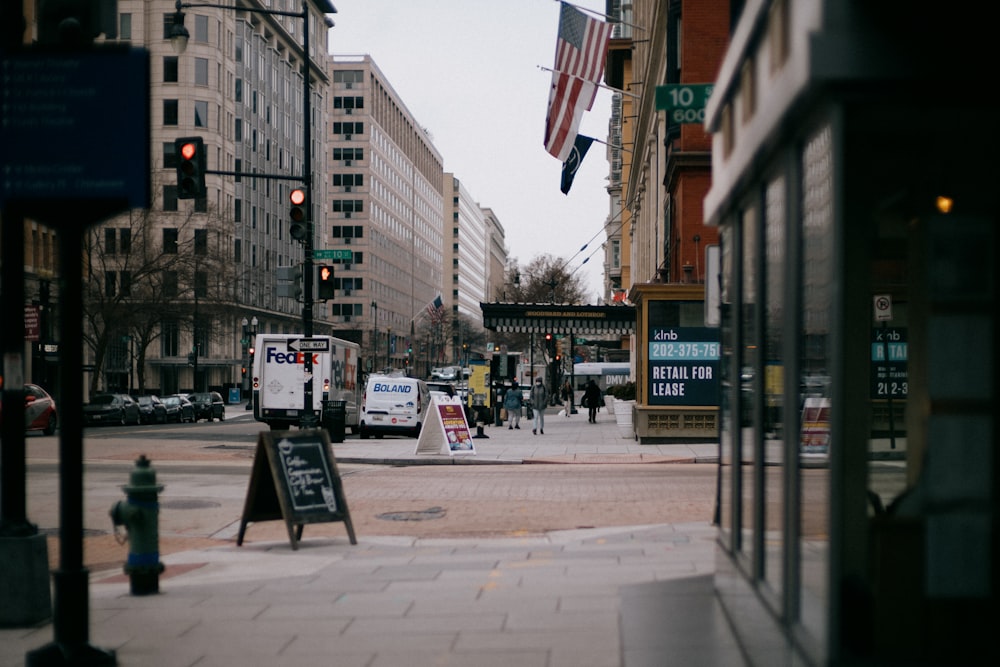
(294, 478)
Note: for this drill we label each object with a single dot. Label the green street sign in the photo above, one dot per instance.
(684, 102)
(338, 253)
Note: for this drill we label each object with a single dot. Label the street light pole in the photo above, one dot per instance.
(374, 356)
(179, 36)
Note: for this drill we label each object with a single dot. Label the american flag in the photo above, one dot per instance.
(581, 49)
(435, 307)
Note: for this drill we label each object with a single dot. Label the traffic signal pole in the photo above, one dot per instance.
(308, 418)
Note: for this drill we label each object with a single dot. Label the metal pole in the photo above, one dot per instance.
(309, 419)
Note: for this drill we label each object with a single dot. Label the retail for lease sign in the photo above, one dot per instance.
(683, 366)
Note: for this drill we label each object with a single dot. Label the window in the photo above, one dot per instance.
(238, 210)
(348, 206)
(349, 180)
(109, 283)
(200, 284)
(348, 154)
(348, 76)
(349, 128)
(125, 27)
(125, 241)
(201, 71)
(201, 241)
(201, 28)
(169, 279)
(170, 241)
(201, 114)
(169, 338)
(168, 24)
(348, 103)
(238, 129)
(169, 197)
(238, 93)
(169, 155)
(238, 251)
(125, 282)
(109, 241)
(170, 112)
(170, 69)
(238, 169)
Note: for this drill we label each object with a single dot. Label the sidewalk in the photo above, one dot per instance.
(605, 597)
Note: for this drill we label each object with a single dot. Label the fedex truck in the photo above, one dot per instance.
(278, 379)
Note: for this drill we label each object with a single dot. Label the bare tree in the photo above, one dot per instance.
(543, 280)
(147, 269)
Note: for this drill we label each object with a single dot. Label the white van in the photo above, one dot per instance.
(393, 405)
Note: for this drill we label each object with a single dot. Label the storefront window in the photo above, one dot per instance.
(749, 380)
(817, 294)
(728, 424)
(774, 376)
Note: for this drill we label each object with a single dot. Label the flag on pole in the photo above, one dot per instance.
(435, 307)
(572, 163)
(581, 48)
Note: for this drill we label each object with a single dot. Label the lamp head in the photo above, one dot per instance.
(178, 33)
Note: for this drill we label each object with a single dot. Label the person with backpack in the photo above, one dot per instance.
(592, 400)
(512, 402)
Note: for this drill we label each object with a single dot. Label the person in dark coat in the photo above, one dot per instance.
(592, 399)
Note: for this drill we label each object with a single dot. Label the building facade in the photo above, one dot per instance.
(387, 205)
(169, 288)
(858, 499)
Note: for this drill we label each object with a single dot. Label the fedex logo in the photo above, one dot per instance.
(275, 356)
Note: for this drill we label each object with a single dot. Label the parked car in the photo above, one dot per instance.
(152, 410)
(179, 408)
(208, 405)
(39, 410)
(112, 409)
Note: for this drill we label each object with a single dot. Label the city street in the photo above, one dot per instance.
(205, 469)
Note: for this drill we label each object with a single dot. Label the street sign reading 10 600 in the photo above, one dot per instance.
(684, 102)
(344, 255)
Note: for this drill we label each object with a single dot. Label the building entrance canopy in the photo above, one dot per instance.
(558, 318)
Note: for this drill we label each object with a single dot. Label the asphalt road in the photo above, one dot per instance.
(205, 469)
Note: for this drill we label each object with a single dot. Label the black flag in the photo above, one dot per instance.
(572, 163)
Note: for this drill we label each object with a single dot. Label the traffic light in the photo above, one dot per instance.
(324, 282)
(190, 152)
(298, 213)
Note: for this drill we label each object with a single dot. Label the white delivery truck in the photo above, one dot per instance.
(278, 379)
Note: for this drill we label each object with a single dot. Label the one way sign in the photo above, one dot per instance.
(309, 344)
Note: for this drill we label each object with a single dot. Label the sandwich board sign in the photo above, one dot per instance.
(294, 478)
(446, 428)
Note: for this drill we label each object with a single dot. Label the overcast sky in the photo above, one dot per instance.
(469, 72)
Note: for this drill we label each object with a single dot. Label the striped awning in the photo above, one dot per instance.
(558, 318)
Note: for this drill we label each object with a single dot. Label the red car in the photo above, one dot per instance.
(39, 410)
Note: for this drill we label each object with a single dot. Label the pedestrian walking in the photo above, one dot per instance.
(591, 400)
(512, 402)
(539, 399)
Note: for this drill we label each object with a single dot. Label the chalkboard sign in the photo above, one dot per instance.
(295, 478)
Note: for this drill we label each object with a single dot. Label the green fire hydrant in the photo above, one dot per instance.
(139, 513)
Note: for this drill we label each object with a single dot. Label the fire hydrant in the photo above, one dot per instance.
(140, 516)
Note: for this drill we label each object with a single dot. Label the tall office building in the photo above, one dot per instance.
(194, 276)
(386, 204)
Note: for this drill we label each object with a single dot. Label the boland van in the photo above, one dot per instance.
(393, 405)
(278, 380)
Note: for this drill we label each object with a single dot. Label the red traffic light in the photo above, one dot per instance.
(191, 167)
(297, 196)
